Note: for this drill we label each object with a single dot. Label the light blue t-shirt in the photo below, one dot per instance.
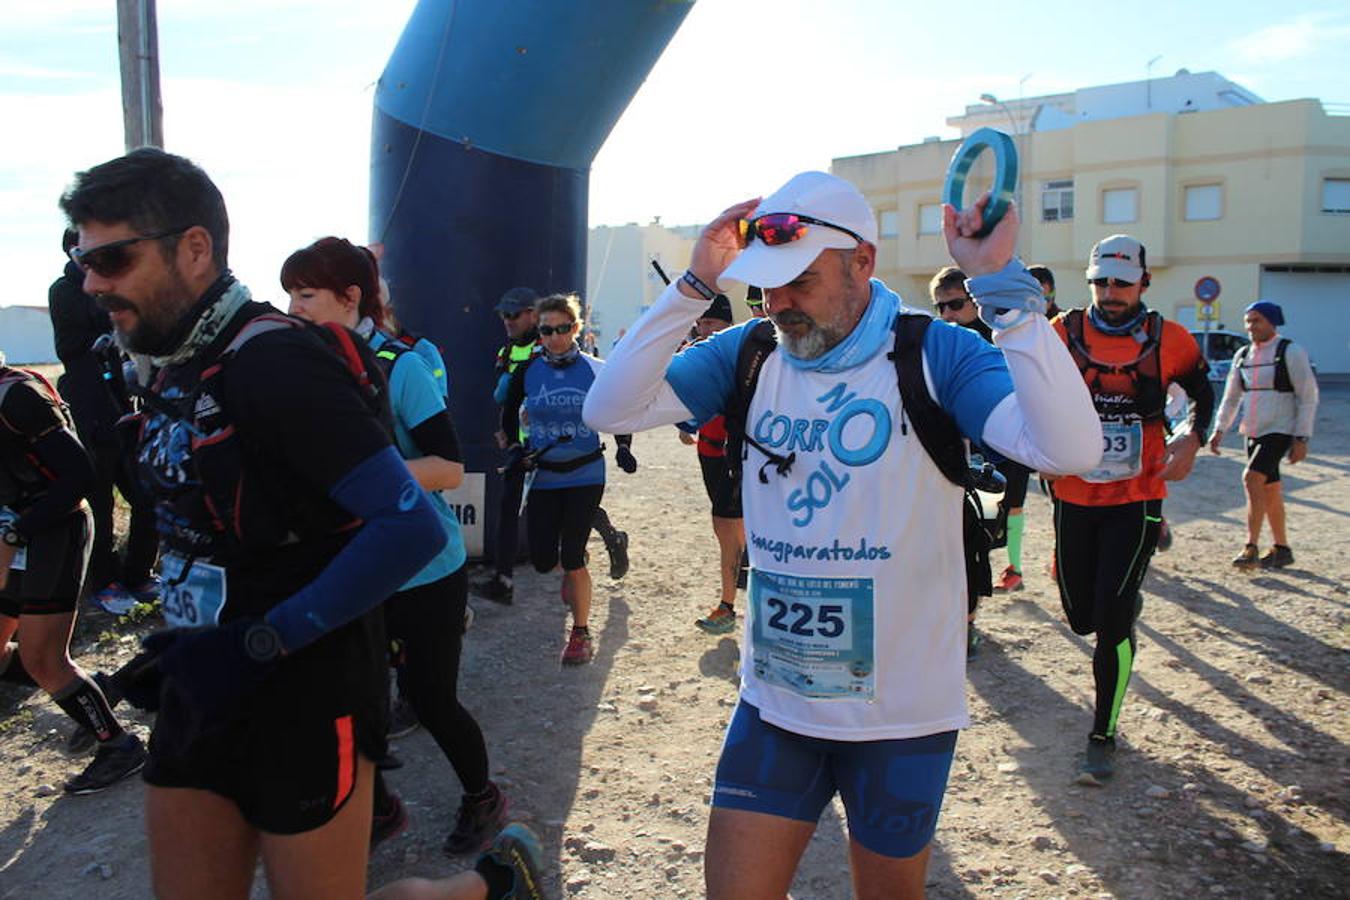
(414, 397)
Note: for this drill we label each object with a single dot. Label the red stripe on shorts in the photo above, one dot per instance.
(346, 768)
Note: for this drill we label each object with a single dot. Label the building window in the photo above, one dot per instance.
(1057, 201)
(890, 224)
(1204, 202)
(930, 218)
(1120, 206)
(1336, 196)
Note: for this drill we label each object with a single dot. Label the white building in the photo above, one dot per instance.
(26, 335)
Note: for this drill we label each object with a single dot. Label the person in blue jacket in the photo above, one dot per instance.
(567, 459)
(335, 281)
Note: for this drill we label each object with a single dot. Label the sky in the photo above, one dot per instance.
(273, 98)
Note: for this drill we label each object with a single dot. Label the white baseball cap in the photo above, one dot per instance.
(821, 197)
(1118, 256)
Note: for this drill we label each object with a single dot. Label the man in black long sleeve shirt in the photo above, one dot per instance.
(97, 401)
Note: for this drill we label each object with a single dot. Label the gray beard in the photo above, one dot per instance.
(816, 342)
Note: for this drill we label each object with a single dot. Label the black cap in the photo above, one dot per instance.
(720, 308)
(517, 300)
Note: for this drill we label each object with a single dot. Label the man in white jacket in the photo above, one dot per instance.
(1275, 376)
(854, 647)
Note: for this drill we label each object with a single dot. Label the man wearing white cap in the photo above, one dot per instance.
(853, 652)
(1277, 379)
(1108, 520)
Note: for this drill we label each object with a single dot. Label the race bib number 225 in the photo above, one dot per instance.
(814, 635)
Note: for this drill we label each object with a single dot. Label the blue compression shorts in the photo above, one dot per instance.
(892, 790)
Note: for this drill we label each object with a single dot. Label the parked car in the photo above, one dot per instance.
(1218, 346)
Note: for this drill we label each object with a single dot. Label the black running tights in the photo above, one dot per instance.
(429, 623)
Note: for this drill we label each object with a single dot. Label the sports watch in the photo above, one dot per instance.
(262, 642)
(10, 537)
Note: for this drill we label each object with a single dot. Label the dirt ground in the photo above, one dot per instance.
(1232, 777)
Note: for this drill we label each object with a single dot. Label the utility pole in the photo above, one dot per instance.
(138, 53)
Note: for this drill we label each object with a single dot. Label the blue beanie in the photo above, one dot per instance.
(1272, 312)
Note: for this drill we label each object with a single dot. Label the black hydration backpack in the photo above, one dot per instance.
(247, 506)
(1283, 383)
(935, 429)
(933, 426)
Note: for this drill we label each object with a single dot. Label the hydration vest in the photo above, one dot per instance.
(935, 429)
(1283, 383)
(225, 502)
(1149, 398)
(933, 426)
(23, 477)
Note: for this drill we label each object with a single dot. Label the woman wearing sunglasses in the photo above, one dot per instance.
(569, 466)
(334, 281)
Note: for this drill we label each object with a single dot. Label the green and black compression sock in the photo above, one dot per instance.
(1016, 524)
(1111, 666)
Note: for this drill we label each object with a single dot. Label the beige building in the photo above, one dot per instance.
(620, 280)
(1213, 181)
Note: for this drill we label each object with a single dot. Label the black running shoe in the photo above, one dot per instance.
(518, 851)
(1277, 557)
(477, 822)
(115, 760)
(81, 741)
(402, 719)
(497, 589)
(388, 823)
(1098, 763)
(973, 641)
(618, 555)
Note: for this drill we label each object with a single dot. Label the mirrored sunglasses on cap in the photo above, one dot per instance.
(113, 258)
(776, 229)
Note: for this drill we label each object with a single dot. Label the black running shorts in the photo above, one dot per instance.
(558, 521)
(53, 575)
(725, 499)
(287, 774)
(1265, 452)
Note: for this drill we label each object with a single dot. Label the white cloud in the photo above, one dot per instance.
(1289, 40)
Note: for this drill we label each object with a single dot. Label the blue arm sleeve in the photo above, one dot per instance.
(400, 535)
(703, 373)
(499, 392)
(969, 375)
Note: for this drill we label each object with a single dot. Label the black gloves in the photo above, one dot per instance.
(625, 458)
(217, 669)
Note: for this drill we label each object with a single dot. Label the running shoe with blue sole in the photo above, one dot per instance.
(517, 849)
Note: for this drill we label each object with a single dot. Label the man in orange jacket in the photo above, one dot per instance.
(1107, 521)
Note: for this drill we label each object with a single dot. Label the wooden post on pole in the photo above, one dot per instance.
(138, 52)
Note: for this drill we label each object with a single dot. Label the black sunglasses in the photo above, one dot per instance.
(113, 258)
(550, 330)
(955, 305)
(1111, 282)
